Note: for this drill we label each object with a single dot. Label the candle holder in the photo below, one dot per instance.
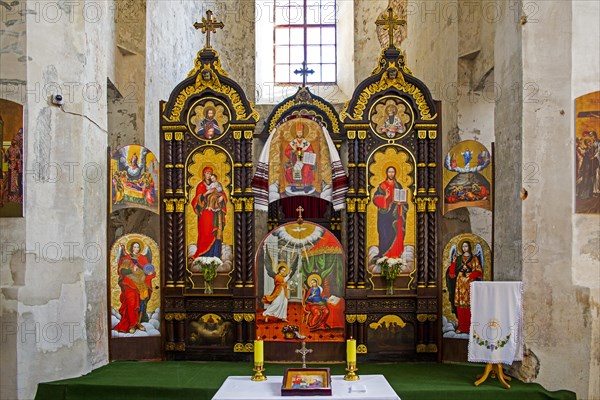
(351, 375)
(258, 369)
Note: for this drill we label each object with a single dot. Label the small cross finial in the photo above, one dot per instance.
(304, 72)
(208, 25)
(299, 209)
(304, 351)
(390, 23)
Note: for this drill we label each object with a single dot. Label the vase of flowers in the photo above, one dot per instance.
(390, 269)
(209, 267)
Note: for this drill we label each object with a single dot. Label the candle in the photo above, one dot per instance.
(351, 350)
(259, 356)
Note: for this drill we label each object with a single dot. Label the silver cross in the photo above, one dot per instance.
(304, 351)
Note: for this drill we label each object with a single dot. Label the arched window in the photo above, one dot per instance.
(291, 31)
(305, 31)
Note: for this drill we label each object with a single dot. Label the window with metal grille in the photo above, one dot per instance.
(305, 30)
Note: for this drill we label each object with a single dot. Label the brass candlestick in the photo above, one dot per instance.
(351, 375)
(258, 369)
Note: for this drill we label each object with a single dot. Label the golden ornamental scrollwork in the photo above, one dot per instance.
(199, 65)
(361, 318)
(249, 317)
(432, 317)
(231, 93)
(318, 103)
(249, 348)
(168, 136)
(350, 318)
(382, 85)
(238, 317)
(422, 317)
(180, 316)
(361, 349)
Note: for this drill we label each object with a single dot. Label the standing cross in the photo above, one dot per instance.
(300, 209)
(304, 72)
(390, 23)
(208, 25)
(304, 351)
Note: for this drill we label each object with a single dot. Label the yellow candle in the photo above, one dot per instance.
(351, 350)
(259, 351)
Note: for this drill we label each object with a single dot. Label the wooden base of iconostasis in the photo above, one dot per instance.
(455, 350)
(136, 348)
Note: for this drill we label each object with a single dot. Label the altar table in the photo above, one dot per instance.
(242, 388)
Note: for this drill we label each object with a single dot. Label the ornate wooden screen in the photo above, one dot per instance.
(207, 127)
(392, 211)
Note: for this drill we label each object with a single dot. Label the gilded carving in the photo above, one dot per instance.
(421, 204)
(172, 346)
(319, 104)
(361, 349)
(431, 204)
(422, 317)
(238, 348)
(238, 317)
(249, 204)
(169, 205)
(350, 318)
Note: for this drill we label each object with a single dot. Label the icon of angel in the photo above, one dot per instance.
(465, 267)
(136, 272)
(277, 302)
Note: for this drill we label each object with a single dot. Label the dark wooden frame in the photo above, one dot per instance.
(287, 390)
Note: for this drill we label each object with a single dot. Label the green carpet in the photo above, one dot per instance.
(201, 380)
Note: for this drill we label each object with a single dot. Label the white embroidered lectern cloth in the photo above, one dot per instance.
(496, 334)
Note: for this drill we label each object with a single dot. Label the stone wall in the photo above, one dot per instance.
(560, 257)
(171, 47)
(55, 258)
(13, 79)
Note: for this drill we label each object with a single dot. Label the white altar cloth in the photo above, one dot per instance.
(242, 388)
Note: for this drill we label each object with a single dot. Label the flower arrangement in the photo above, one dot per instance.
(390, 267)
(290, 331)
(208, 266)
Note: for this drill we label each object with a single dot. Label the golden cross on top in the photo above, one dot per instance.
(390, 23)
(299, 209)
(208, 25)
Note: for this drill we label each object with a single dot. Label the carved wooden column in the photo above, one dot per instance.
(351, 228)
(361, 208)
(179, 223)
(248, 274)
(352, 188)
(421, 202)
(431, 210)
(238, 208)
(249, 243)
